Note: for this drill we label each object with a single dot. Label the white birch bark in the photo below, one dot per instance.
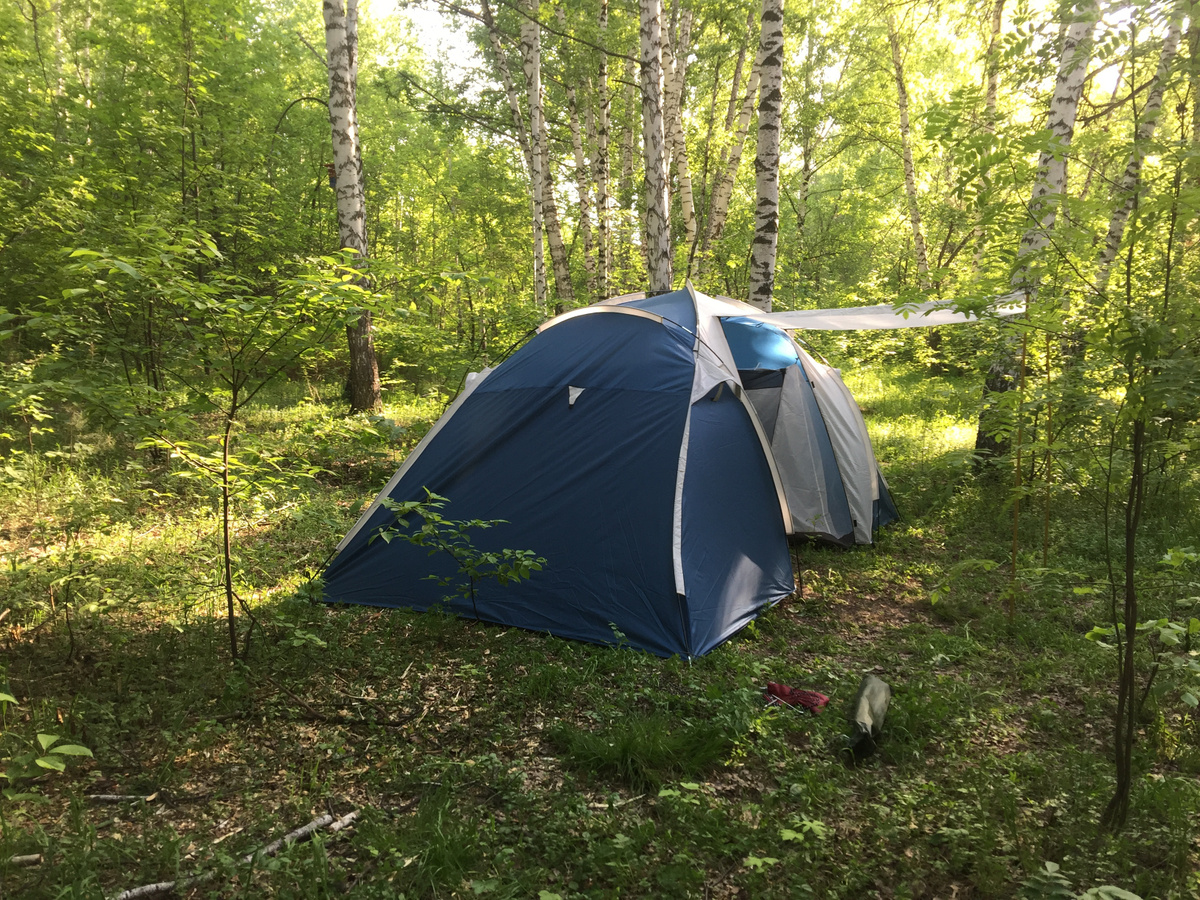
(1194, 64)
(675, 69)
(622, 251)
(500, 60)
(766, 162)
(1131, 179)
(727, 175)
(532, 64)
(544, 213)
(563, 289)
(582, 190)
(1048, 190)
(910, 171)
(993, 68)
(658, 235)
(991, 96)
(565, 293)
(1051, 180)
(739, 101)
(603, 218)
(341, 49)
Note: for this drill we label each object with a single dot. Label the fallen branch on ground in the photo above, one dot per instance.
(32, 859)
(166, 887)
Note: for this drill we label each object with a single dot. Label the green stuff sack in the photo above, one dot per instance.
(867, 713)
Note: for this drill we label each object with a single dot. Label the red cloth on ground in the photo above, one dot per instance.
(813, 701)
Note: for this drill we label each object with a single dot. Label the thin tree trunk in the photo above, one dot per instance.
(559, 255)
(226, 542)
(1131, 179)
(531, 59)
(1052, 165)
(1048, 191)
(658, 234)
(341, 48)
(564, 291)
(603, 219)
(500, 59)
(766, 163)
(622, 252)
(727, 174)
(992, 65)
(675, 66)
(910, 171)
(1194, 77)
(1125, 721)
(583, 192)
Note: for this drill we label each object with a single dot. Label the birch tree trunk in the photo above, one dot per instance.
(992, 67)
(558, 256)
(766, 163)
(658, 234)
(1193, 34)
(1048, 190)
(1051, 179)
(727, 169)
(623, 251)
(675, 71)
(564, 292)
(341, 49)
(1127, 190)
(910, 171)
(603, 220)
(544, 214)
(532, 62)
(582, 190)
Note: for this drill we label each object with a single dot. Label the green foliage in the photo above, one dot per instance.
(439, 534)
(26, 759)
(190, 353)
(1051, 884)
(642, 751)
(1172, 643)
(502, 763)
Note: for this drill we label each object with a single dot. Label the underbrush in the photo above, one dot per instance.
(493, 762)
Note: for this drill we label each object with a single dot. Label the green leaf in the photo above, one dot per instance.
(1190, 699)
(9, 698)
(758, 862)
(18, 796)
(1108, 892)
(788, 835)
(46, 740)
(72, 750)
(57, 763)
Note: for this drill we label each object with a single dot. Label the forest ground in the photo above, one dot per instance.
(489, 761)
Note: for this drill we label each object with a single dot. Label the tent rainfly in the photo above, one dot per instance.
(658, 452)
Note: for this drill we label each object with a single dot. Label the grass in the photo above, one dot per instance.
(498, 763)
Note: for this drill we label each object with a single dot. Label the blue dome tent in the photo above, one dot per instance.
(658, 452)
